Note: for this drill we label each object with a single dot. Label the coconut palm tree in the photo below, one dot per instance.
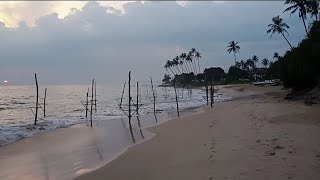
(301, 6)
(276, 55)
(169, 65)
(189, 60)
(180, 62)
(198, 56)
(265, 62)
(238, 65)
(233, 47)
(243, 65)
(280, 27)
(175, 63)
(191, 55)
(313, 9)
(255, 59)
(249, 64)
(193, 52)
(183, 58)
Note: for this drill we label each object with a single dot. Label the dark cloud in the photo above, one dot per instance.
(94, 43)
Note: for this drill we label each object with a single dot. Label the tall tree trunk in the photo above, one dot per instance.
(177, 69)
(195, 67)
(172, 71)
(235, 59)
(287, 40)
(182, 68)
(305, 27)
(187, 67)
(189, 63)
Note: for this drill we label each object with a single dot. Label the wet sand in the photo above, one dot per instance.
(66, 153)
(257, 135)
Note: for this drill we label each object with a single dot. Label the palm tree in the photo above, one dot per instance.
(198, 55)
(238, 65)
(233, 47)
(255, 59)
(175, 64)
(313, 9)
(249, 64)
(265, 62)
(181, 65)
(191, 55)
(243, 65)
(168, 65)
(183, 58)
(301, 6)
(194, 51)
(189, 60)
(276, 55)
(280, 27)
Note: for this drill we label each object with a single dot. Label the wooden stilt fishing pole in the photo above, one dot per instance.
(211, 92)
(37, 99)
(177, 102)
(87, 103)
(154, 96)
(207, 92)
(91, 108)
(130, 99)
(137, 105)
(124, 86)
(95, 96)
(44, 102)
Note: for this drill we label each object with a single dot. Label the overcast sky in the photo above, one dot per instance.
(72, 42)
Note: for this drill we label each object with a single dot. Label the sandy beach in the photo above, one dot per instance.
(257, 135)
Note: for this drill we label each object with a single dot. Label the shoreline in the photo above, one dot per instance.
(257, 135)
(70, 138)
(16, 127)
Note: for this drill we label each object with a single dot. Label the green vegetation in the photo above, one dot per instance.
(298, 68)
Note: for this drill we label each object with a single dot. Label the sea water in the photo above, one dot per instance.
(64, 106)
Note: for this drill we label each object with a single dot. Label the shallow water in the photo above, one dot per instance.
(66, 153)
(64, 106)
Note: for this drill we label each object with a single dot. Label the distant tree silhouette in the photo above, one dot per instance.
(265, 62)
(280, 27)
(276, 55)
(233, 47)
(198, 56)
(255, 59)
(169, 65)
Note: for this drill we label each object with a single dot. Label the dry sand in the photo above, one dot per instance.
(255, 136)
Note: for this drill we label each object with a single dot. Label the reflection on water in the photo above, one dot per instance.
(65, 109)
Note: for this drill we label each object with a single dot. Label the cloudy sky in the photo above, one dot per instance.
(72, 42)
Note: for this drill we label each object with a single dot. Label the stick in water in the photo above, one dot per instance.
(37, 100)
(91, 102)
(44, 102)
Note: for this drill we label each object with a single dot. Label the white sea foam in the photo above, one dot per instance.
(64, 108)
